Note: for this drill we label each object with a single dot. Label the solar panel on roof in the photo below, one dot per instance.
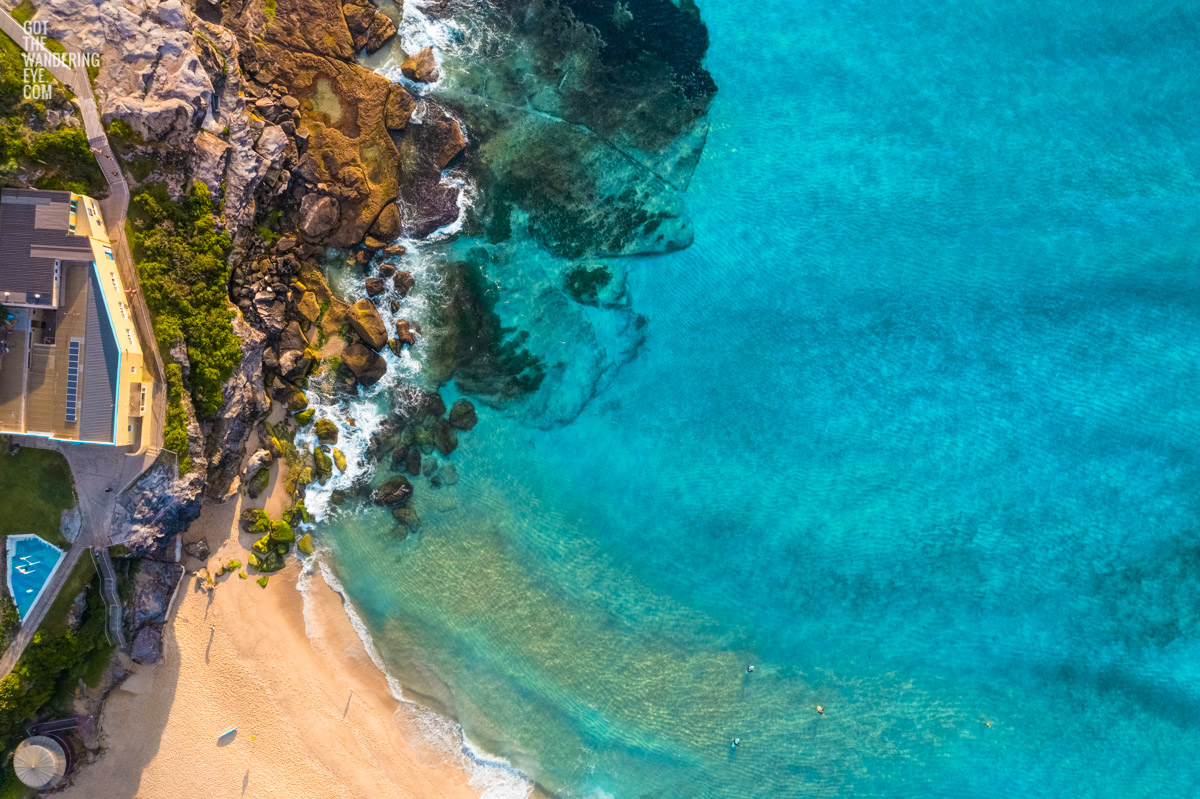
(72, 380)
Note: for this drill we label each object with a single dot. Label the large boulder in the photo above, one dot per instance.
(364, 319)
(368, 366)
(370, 29)
(260, 460)
(394, 493)
(152, 587)
(147, 645)
(406, 332)
(319, 215)
(462, 415)
(420, 67)
(326, 430)
(400, 105)
(403, 283)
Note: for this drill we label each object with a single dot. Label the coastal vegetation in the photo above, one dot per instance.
(183, 268)
(69, 646)
(39, 146)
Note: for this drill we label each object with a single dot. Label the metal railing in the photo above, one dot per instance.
(114, 628)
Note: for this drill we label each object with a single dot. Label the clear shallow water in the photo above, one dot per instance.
(913, 428)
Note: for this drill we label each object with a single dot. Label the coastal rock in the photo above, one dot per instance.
(420, 67)
(147, 645)
(322, 466)
(388, 226)
(395, 492)
(245, 404)
(319, 215)
(339, 459)
(412, 461)
(400, 105)
(152, 587)
(444, 139)
(365, 320)
(160, 503)
(210, 157)
(407, 517)
(406, 333)
(368, 366)
(197, 549)
(308, 308)
(462, 415)
(444, 437)
(261, 459)
(369, 29)
(428, 203)
(375, 286)
(403, 282)
(294, 364)
(326, 430)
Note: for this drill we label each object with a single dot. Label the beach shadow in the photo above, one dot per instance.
(245, 782)
(212, 631)
(347, 710)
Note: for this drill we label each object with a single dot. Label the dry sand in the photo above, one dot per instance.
(323, 720)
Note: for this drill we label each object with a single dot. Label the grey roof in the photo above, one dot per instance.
(101, 363)
(33, 233)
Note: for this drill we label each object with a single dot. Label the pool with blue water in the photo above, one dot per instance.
(31, 563)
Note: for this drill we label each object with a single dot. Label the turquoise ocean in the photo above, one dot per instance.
(913, 426)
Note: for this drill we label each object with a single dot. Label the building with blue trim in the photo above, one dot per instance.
(71, 363)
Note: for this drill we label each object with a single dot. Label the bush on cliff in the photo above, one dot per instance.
(183, 265)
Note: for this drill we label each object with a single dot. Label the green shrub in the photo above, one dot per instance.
(233, 564)
(175, 434)
(261, 546)
(262, 581)
(184, 272)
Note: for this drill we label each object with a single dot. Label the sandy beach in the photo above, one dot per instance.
(322, 719)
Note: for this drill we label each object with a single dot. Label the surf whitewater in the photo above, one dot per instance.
(519, 305)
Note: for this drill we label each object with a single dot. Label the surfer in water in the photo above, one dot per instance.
(736, 743)
(750, 669)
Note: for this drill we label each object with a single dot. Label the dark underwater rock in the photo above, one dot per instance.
(462, 415)
(395, 492)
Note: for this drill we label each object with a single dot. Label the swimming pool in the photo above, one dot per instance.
(31, 562)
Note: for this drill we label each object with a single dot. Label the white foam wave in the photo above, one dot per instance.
(491, 777)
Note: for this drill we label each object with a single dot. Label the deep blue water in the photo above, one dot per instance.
(913, 429)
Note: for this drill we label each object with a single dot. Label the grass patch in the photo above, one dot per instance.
(23, 12)
(42, 479)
